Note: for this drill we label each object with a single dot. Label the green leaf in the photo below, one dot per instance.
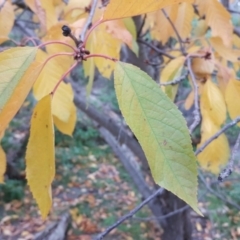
(161, 131)
(13, 64)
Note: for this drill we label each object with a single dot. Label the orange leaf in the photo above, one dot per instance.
(128, 8)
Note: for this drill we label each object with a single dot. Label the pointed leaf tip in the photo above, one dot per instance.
(161, 131)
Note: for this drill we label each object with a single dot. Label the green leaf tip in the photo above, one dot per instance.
(161, 131)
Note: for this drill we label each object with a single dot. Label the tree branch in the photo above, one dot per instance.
(196, 112)
(229, 168)
(129, 215)
(160, 51)
(176, 31)
(216, 135)
(88, 23)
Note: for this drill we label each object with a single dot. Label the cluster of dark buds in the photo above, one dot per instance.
(82, 52)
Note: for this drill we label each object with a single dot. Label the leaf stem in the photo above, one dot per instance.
(90, 30)
(63, 76)
(55, 55)
(57, 42)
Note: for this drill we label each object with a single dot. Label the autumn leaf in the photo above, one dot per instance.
(156, 21)
(160, 129)
(3, 164)
(184, 19)
(232, 96)
(45, 11)
(216, 154)
(6, 12)
(40, 158)
(212, 102)
(15, 81)
(67, 127)
(171, 71)
(47, 80)
(218, 18)
(128, 8)
(104, 43)
(225, 52)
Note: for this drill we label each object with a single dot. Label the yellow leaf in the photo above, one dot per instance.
(3, 164)
(47, 80)
(45, 11)
(75, 9)
(232, 97)
(223, 76)
(172, 70)
(168, 73)
(103, 43)
(189, 100)
(201, 28)
(159, 25)
(236, 41)
(127, 8)
(184, 19)
(19, 94)
(212, 102)
(203, 67)
(6, 19)
(67, 127)
(225, 52)
(119, 31)
(40, 156)
(216, 154)
(218, 18)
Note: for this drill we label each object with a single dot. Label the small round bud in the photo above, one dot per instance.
(66, 30)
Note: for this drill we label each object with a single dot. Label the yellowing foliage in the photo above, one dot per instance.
(128, 8)
(216, 154)
(232, 97)
(50, 75)
(7, 12)
(3, 164)
(103, 43)
(212, 102)
(217, 18)
(40, 156)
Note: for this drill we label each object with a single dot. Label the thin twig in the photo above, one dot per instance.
(88, 23)
(129, 215)
(216, 135)
(229, 168)
(142, 25)
(160, 51)
(223, 198)
(175, 212)
(175, 81)
(176, 31)
(196, 112)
